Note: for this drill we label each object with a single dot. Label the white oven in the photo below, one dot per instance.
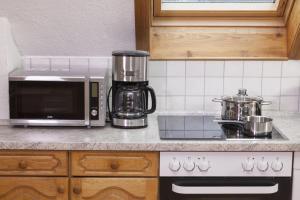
(226, 175)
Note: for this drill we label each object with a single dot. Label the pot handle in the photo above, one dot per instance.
(218, 100)
(266, 102)
(221, 121)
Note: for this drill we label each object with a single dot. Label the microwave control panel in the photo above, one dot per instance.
(97, 100)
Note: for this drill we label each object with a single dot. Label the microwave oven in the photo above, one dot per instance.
(57, 98)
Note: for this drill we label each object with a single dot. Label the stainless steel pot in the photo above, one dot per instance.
(254, 126)
(240, 106)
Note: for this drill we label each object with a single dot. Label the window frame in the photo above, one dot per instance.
(279, 12)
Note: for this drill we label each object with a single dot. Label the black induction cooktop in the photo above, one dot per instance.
(203, 127)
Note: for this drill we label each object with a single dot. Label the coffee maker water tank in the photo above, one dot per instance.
(130, 66)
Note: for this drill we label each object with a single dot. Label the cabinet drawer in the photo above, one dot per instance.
(114, 188)
(33, 188)
(35, 163)
(297, 161)
(114, 164)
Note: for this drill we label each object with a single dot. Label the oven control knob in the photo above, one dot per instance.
(263, 165)
(277, 165)
(174, 165)
(94, 113)
(189, 165)
(204, 165)
(248, 165)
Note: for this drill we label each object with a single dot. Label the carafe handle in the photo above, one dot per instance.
(153, 99)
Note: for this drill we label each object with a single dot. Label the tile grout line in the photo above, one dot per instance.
(204, 90)
(280, 93)
(261, 78)
(243, 74)
(223, 78)
(166, 79)
(184, 106)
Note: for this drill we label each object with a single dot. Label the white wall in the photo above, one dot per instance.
(71, 27)
(9, 59)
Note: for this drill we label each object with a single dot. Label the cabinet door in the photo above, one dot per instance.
(33, 163)
(33, 188)
(114, 188)
(130, 164)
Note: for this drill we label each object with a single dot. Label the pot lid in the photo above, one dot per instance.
(242, 97)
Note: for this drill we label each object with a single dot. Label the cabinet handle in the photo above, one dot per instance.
(77, 190)
(61, 190)
(114, 165)
(23, 164)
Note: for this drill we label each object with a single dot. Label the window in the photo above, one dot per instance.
(255, 8)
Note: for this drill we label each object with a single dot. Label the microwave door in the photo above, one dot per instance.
(55, 101)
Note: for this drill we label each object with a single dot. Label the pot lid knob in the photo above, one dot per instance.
(242, 92)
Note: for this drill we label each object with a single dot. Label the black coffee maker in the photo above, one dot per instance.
(130, 90)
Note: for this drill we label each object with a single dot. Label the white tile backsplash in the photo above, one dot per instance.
(272, 69)
(291, 68)
(176, 68)
(231, 85)
(40, 63)
(175, 103)
(191, 85)
(214, 86)
(253, 86)
(290, 86)
(175, 86)
(157, 68)
(253, 68)
(271, 87)
(274, 106)
(159, 84)
(289, 103)
(60, 64)
(194, 86)
(78, 63)
(194, 103)
(214, 68)
(234, 68)
(98, 62)
(211, 106)
(195, 68)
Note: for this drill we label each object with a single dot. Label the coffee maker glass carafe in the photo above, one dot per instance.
(131, 101)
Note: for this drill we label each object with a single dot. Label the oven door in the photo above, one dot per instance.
(49, 103)
(225, 188)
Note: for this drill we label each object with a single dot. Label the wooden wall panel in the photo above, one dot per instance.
(142, 24)
(293, 28)
(218, 43)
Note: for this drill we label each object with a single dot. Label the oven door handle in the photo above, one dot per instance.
(225, 189)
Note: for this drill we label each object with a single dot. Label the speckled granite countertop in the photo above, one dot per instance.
(141, 139)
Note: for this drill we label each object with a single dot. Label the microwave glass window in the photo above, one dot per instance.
(46, 100)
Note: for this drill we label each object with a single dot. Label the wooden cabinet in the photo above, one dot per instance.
(114, 188)
(296, 178)
(33, 188)
(131, 164)
(44, 175)
(36, 163)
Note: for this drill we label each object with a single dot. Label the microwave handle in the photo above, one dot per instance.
(225, 189)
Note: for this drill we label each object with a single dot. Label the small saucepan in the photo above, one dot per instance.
(254, 126)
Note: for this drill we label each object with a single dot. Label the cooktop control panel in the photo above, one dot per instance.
(231, 164)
